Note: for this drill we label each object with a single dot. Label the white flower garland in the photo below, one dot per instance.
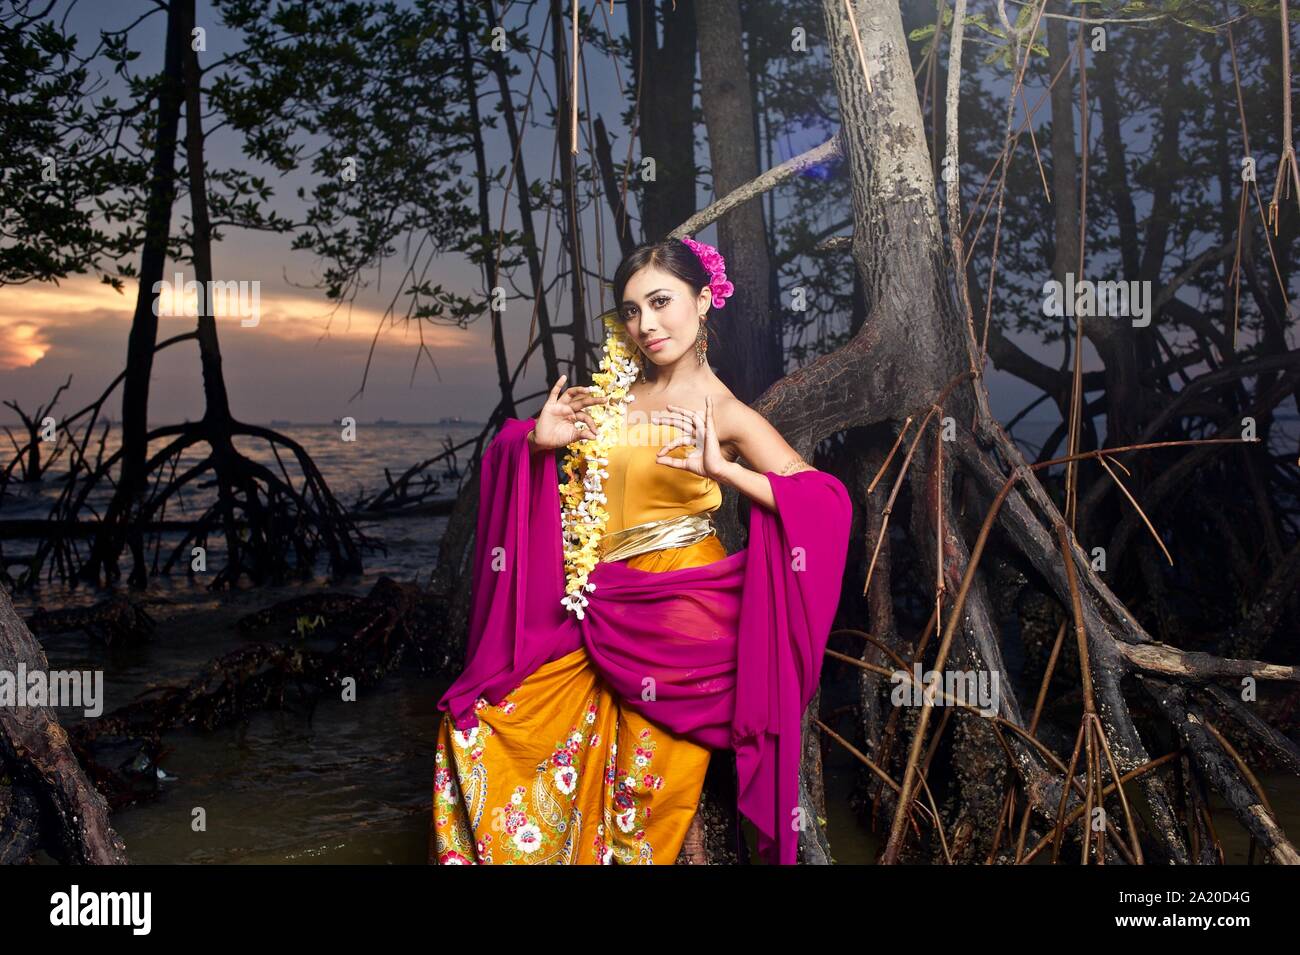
(583, 517)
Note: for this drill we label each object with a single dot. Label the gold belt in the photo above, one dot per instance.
(654, 535)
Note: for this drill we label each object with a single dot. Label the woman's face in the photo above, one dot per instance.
(662, 314)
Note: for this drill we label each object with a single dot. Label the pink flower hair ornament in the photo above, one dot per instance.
(716, 266)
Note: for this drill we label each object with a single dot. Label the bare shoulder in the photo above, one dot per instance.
(753, 437)
(734, 416)
(729, 416)
(726, 405)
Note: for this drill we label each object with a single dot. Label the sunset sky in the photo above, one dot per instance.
(302, 361)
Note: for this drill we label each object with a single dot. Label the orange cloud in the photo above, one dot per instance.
(21, 343)
(29, 314)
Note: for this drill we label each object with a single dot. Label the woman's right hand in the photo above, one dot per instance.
(558, 422)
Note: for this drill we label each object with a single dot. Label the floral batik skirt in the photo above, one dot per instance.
(559, 772)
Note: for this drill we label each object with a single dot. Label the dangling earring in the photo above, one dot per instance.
(701, 343)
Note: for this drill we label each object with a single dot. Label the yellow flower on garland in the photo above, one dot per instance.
(583, 517)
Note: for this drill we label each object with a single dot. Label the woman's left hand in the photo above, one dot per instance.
(699, 434)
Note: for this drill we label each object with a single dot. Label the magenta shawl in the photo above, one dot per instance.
(728, 654)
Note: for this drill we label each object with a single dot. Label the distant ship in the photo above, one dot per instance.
(385, 422)
(450, 420)
(280, 423)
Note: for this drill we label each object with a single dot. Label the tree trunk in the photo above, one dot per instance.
(144, 325)
(745, 346)
(569, 195)
(490, 277)
(47, 786)
(216, 414)
(664, 79)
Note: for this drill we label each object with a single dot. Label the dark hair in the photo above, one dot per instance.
(672, 255)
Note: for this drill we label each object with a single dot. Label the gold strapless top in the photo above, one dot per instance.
(659, 516)
(639, 489)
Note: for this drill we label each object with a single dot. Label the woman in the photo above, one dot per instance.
(613, 643)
